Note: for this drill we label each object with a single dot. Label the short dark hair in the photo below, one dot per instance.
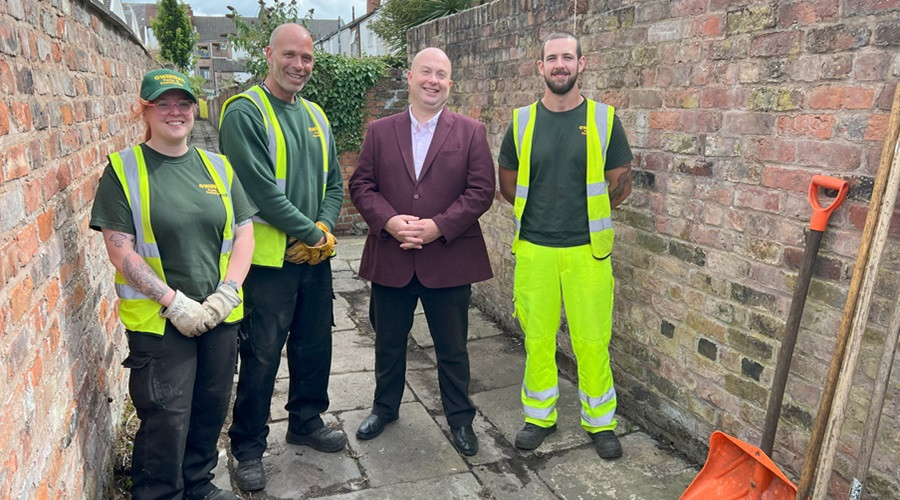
(562, 35)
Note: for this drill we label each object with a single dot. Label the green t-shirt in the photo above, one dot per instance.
(186, 213)
(244, 140)
(556, 212)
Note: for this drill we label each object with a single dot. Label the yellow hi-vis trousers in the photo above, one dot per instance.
(544, 278)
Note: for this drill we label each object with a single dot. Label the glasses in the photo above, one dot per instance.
(166, 107)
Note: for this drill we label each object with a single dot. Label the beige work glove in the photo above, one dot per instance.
(187, 315)
(300, 253)
(220, 304)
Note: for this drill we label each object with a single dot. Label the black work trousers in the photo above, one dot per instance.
(181, 388)
(447, 313)
(294, 305)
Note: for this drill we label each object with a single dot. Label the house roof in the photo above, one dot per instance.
(211, 28)
(320, 28)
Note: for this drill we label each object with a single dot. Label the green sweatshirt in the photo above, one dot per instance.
(243, 139)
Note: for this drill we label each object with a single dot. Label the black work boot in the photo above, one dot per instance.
(531, 436)
(321, 439)
(250, 475)
(607, 444)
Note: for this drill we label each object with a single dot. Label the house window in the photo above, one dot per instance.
(204, 72)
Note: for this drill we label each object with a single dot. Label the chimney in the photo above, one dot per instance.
(372, 5)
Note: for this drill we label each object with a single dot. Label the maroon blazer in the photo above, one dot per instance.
(455, 187)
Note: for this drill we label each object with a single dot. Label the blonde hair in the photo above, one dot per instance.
(137, 113)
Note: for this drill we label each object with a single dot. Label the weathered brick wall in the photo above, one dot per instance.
(68, 75)
(730, 106)
(387, 97)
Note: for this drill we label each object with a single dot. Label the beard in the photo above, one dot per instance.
(563, 87)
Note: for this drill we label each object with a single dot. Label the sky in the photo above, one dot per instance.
(324, 9)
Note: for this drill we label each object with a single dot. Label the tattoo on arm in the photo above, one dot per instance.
(119, 239)
(141, 276)
(623, 184)
(244, 222)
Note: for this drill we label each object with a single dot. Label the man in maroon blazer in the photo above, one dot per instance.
(423, 178)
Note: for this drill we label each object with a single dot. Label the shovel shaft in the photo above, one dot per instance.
(783, 366)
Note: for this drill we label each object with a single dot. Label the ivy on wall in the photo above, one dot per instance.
(339, 84)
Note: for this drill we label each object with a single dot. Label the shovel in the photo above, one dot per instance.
(738, 470)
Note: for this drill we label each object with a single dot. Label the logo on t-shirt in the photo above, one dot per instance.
(210, 188)
(583, 129)
(315, 132)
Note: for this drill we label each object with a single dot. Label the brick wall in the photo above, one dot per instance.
(68, 75)
(387, 97)
(730, 106)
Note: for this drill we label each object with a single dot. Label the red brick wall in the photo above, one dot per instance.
(68, 75)
(730, 106)
(387, 97)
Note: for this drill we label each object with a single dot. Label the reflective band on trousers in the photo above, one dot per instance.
(545, 395)
(597, 402)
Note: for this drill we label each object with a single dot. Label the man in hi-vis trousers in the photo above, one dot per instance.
(568, 158)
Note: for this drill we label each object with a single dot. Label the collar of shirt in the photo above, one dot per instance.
(428, 127)
(422, 133)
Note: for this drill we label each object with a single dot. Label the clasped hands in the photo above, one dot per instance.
(192, 318)
(300, 253)
(411, 231)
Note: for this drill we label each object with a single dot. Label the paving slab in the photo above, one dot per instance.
(643, 472)
(348, 282)
(511, 480)
(350, 247)
(455, 486)
(300, 472)
(354, 391)
(411, 449)
(352, 352)
(343, 315)
(494, 362)
(492, 445)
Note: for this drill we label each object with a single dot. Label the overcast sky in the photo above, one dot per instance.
(324, 9)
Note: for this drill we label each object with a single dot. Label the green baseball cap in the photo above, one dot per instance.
(160, 80)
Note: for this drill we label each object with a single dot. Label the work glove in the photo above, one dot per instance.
(187, 315)
(220, 304)
(300, 253)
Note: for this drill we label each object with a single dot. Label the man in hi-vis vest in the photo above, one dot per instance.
(568, 158)
(283, 151)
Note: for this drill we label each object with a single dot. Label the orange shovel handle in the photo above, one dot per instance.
(819, 220)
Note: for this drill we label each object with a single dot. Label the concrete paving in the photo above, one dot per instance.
(414, 457)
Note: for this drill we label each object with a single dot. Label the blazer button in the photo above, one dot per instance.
(416, 196)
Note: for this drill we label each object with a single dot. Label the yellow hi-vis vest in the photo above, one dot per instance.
(270, 241)
(599, 128)
(138, 312)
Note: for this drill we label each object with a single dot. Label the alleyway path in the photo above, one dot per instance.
(414, 458)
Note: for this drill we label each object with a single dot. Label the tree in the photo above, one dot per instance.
(253, 36)
(398, 16)
(172, 27)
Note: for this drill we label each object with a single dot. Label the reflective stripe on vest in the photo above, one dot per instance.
(137, 311)
(271, 242)
(599, 127)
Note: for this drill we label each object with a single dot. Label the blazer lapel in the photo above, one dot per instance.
(404, 140)
(441, 131)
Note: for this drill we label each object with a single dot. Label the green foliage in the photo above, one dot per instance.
(253, 36)
(172, 28)
(339, 84)
(398, 16)
(198, 85)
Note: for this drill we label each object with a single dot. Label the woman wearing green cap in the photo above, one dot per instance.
(176, 224)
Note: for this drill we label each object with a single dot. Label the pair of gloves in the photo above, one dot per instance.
(300, 253)
(192, 318)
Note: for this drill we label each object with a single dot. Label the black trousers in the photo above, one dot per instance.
(447, 313)
(293, 305)
(181, 388)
